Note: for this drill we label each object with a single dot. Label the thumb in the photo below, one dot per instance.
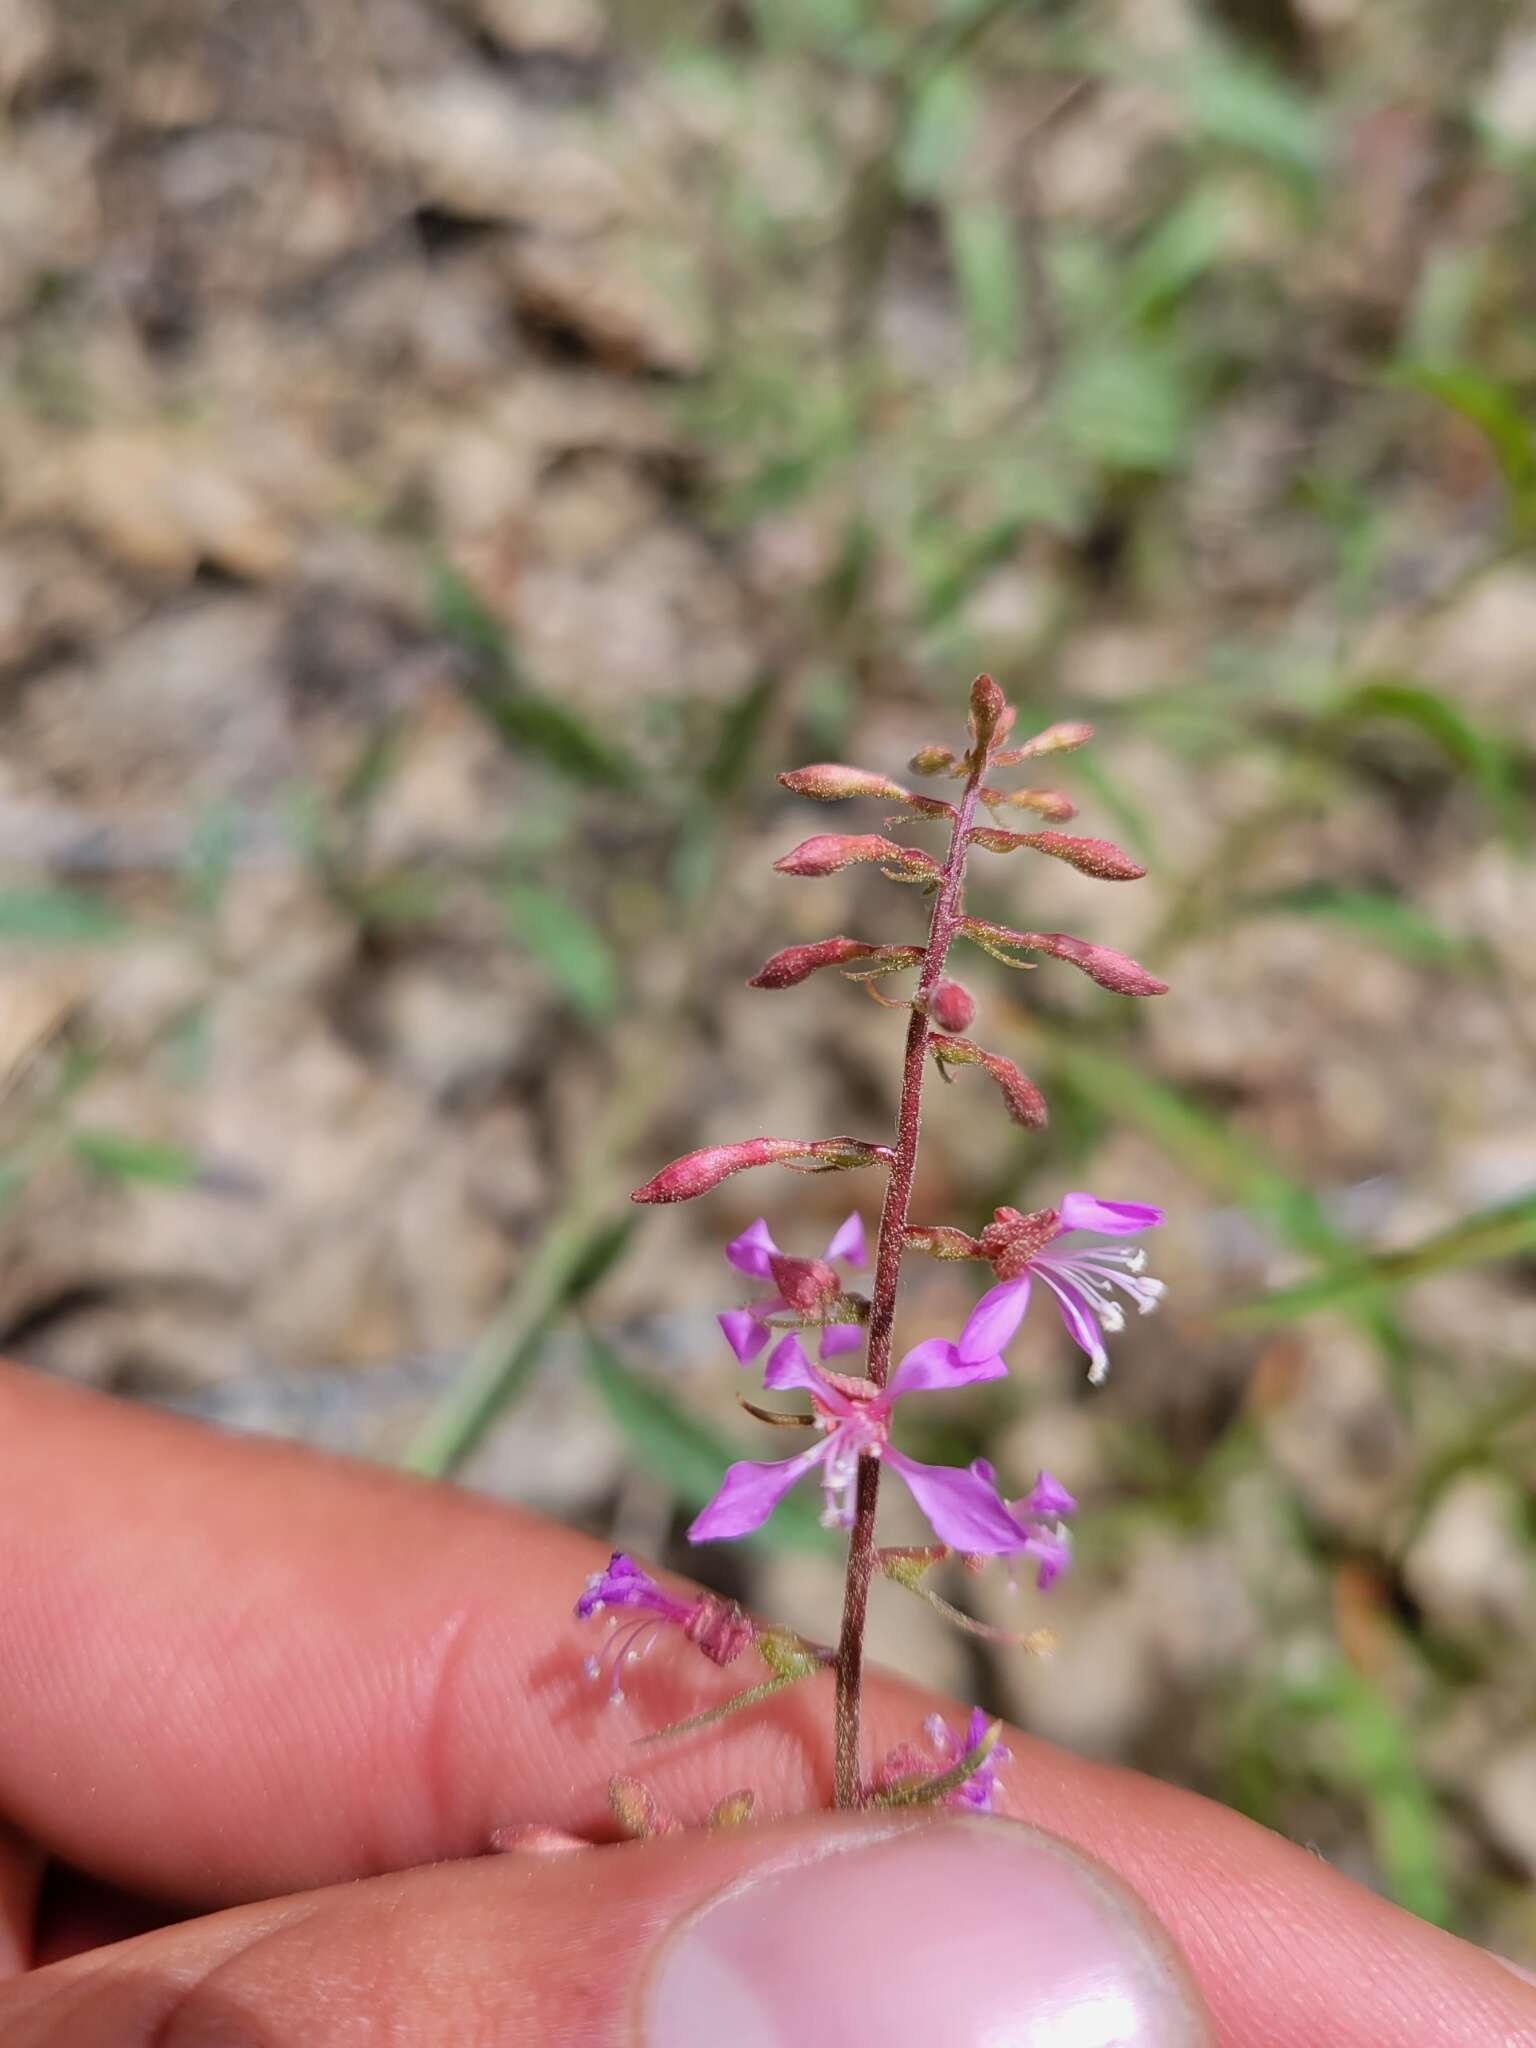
(956, 1931)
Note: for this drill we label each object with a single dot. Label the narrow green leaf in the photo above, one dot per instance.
(527, 719)
(58, 917)
(1494, 410)
(567, 945)
(1389, 921)
(983, 247)
(1488, 759)
(118, 1156)
(1244, 105)
(689, 1454)
(1502, 1232)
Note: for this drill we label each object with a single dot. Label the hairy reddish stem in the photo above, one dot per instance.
(947, 913)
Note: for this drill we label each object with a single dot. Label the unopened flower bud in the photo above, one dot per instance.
(697, 1172)
(828, 781)
(1100, 858)
(1056, 739)
(989, 707)
(932, 760)
(830, 852)
(951, 1006)
(796, 963)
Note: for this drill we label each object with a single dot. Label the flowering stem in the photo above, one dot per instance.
(947, 911)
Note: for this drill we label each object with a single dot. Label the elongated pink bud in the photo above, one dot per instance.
(1100, 858)
(829, 781)
(1117, 972)
(1025, 1103)
(990, 714)
(932, 760)
(1046, 803)
(1056, 739)
(952, 1006)
(829, 852)
(797, 963)
(697, 1172)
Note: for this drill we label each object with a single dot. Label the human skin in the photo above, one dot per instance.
(234, 1673)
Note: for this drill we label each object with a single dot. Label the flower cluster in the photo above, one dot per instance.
(854, 1415)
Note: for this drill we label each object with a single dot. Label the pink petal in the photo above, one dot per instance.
(748, 1495)
(789, 1367)
(936, 1364)
(1052, 1554)
(750, 1252)
(1048, 1497)
(1117, 1219)
(964, 1511)
(992, 1322)
(840, 1338)
(848, 1242)
(743, 1332)
(1082, 1324)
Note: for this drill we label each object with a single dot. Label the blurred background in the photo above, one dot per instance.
(453, 452)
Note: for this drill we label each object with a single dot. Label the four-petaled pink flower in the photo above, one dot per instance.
(747, 1329)
(1081, 1278)
(974, 1794)
(855, 1419)
(715, 1626)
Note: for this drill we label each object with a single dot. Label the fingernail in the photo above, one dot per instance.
(1519, 1969)
(973, 1933)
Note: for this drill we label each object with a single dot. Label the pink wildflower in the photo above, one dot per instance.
(1080, 1278)
(854, 1417)
(747, 1329)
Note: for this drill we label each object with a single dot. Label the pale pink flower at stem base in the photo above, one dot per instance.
(977, 1793)
(1082, 1278)
(854, 1417)
(747, 1329)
